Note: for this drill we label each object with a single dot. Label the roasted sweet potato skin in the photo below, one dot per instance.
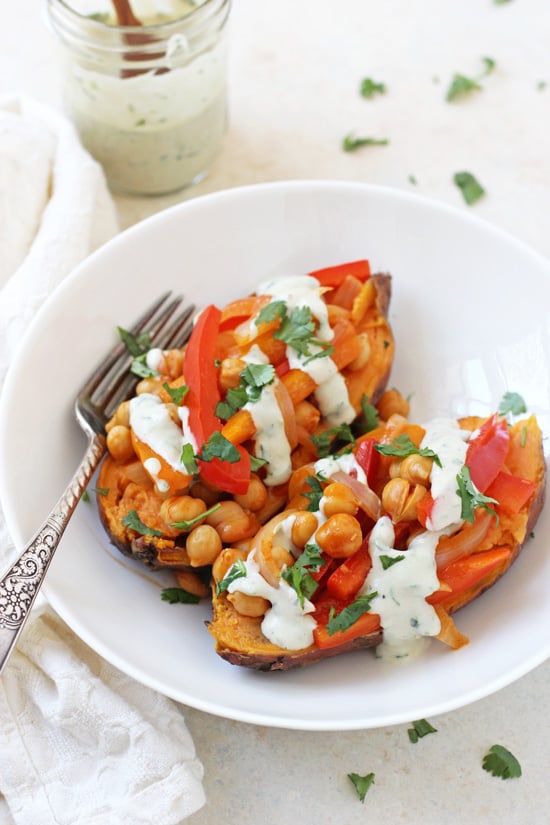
(240, 641)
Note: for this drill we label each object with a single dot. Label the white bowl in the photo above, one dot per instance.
(471, 321)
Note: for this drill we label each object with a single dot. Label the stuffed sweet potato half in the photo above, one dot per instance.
(380, 545)
(202, 456)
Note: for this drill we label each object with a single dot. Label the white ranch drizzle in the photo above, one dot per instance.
(406, 618)
(448, 441)
(286, 624)
(151, 422)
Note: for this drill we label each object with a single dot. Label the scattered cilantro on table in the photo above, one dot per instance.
(419, 729)
(351, 143)
(470, 187)
(369, 88)
(361, 783)
(461, 85)
(500, 762)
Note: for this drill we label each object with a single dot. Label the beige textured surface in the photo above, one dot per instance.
(295, 69)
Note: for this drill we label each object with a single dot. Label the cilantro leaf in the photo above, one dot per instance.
(177, 394)
(462, 85)
(298, 575)
(177, 595)
(367, 420)
(258, 375)
(471, 497)
(402, 446)
(256, 463)
(189, 523)
(389, 561)
(274, 310)
(350, 143)
(138, 346)
(500, 762)
(316, 493)
(133, 522)
(328, 441)
(369, 88)
(361, 783)
(253, 378)
(218, 446)
(419, 729)
(236, 571)
(350, 614)
(512, 403)
(470, 187)
(188, 460)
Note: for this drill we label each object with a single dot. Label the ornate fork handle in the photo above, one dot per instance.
(21, 583)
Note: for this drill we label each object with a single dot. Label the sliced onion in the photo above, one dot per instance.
(366, 498)
(262, 545)
(463, 543)
(287, 411)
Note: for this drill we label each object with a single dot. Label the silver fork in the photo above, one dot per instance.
(109, 385)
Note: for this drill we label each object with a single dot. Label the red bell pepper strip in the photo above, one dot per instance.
(365, 624)
(466, 572)
(424, 508)
(487, 452)
(201, 377)
(511, 492)
(350, 575)
(332, 276)
(368, 459)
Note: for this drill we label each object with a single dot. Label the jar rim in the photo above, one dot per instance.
(207, 5)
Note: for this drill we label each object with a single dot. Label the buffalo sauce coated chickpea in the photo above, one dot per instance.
(340, 536)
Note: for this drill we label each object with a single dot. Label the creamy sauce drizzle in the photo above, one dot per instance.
(286, 624)
(444, 437)
(406, 618)
(150, 421)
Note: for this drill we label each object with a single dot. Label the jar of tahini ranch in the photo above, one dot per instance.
(149, 100)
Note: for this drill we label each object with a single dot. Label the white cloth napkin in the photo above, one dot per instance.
(80, 742)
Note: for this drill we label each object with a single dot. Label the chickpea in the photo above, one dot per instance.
(232, 522)
(121, 416)
(227, 558)
(190, 581)
(364, 354)
(255, 497)
(203, 545)
(172, 363)
(181, 508)
(272, 560)
(340, 536)
(416, 469)
(363, 301)
(119, 443)
(230, 372)
(253, 606)
(339, 498)
(152, 385)
(303, 527)
(400, 499)
(392, 402)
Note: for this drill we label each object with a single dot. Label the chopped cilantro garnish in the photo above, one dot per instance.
(253, 378)
(257, 463)
(316, 493)
(236, 571)
(218, 446)
(133, 522)
(329, 441)
(350, 614)
(177, 595)
(138, 346)
(85, 496)
(298, 575)
(470, 187)
(500, 762)
(369, 88)
(462, 85)
(512, 403)
(350, 143)
(389, 561)
(361, 783)
(471, 497)
(188, 524)
(188, 459)
(177, 394)
(419, 729)
(402, 446)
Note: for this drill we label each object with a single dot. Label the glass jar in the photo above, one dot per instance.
(150, 101)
